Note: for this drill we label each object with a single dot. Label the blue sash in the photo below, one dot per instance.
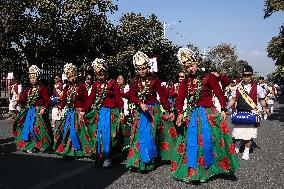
(192, 140)
(70, 123)
(29, 124)
(148, 149)
(104, 128)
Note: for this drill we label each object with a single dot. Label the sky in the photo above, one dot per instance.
(207, 23)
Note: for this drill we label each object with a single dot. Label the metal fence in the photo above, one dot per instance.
(20, 72)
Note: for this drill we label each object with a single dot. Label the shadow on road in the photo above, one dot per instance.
(42, 170)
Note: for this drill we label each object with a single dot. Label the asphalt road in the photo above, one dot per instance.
(265, 169)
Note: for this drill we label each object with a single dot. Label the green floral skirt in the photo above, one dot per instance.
(167, 138)
(42, 140)
(134, 158)
(225, 158)
(63, 144)
(92, 119)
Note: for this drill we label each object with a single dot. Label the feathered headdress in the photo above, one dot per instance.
(99, 64)
(140, 59)
(70, 69)
(34, 71)
(186, 56)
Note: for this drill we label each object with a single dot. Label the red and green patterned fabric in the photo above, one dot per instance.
(134, 158)
(125, 132)
(92, 119)
(167, 138)
(225, 158)
(41, 131)
(63, 146)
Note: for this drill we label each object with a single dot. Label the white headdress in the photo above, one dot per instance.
(34, 70)
(99, 64)
(187, 56)
(140, 59)
(69, 69)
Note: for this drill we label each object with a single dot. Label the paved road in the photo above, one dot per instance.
(265, 169)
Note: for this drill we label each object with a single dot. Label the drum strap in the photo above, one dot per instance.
(247, 98)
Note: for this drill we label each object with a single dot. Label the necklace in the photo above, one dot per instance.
(144, 90)
(193, 88)
(100, 95)
(71, 94)
(33, 94)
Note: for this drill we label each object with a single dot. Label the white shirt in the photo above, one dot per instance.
(247, 88)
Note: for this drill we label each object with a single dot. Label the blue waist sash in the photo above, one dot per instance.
(192, 140)
(104, 128)
(148, 149)
(70, 123)
(29, 124)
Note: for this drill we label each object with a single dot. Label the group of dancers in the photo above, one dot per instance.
(149, 120)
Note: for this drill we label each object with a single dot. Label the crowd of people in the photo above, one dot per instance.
(184, 123)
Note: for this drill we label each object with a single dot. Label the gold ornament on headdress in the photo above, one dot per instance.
(34, 71)
(69, 70)
(140, 59)
(187, 57)
(99, 64)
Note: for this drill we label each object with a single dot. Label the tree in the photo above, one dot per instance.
(224, 52)
(272, 6)
(234, 69)
(136, 32)
(275, 46)
(55, 31)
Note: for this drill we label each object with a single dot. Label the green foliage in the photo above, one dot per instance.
(272, 6)
(55, 31)
(224, 52)
(136, 32)
(275, 46)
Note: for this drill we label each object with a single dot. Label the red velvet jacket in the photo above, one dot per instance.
(155, 87)
(80, 98)
(208, 83)
(43, 99)
(113, 96)
(225, 81)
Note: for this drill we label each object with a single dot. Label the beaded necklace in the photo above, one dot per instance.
(144, 90)
(193, 88)
(33, 95)
(71, 94)
(100, 95)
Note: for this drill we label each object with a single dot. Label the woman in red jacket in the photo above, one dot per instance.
(106, 113)
(204, 145)
(71, 136)
(32, 126)
(146, 117)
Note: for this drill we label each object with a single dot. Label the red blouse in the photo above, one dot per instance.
(155, 87)
(80, 98)
(208, 83)
(225, 81)
(112, 99)
(172, 91)
(42, 100)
